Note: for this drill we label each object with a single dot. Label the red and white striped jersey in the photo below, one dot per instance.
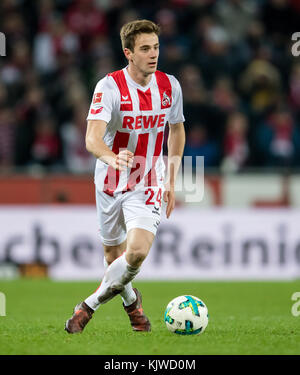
(136, 117)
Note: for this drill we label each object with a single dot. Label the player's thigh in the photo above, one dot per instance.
(142, 212)
(112, 228)
(142, 209)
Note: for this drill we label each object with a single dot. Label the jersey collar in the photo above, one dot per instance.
(134, 84)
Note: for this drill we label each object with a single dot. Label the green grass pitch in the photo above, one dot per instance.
(245, 318)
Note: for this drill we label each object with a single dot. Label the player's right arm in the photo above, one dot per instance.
(102, 106)
(95, 145)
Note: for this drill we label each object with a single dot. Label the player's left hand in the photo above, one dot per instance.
(169, 198)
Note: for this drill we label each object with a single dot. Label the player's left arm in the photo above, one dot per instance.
(176, 142)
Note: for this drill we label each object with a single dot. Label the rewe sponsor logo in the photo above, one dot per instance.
(143, 122)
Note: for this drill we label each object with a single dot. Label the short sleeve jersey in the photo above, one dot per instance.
(136, 117)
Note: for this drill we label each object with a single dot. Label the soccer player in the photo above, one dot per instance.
(125, 131)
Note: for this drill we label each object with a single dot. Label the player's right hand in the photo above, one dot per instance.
(124, 160)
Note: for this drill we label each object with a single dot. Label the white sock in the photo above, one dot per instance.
(128, 295)
(117, 275)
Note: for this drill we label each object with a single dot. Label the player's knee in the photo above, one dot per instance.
(136, 256)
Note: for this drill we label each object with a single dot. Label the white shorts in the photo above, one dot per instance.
(122, 212)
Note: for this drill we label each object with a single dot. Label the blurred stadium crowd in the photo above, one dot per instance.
(240, 81)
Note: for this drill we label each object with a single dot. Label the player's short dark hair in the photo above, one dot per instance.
(131, 29)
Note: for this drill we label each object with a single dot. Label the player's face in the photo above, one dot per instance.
(145, 54)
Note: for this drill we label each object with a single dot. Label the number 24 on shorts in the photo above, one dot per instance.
(152, 199)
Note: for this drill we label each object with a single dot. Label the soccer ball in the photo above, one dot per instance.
(186, 315)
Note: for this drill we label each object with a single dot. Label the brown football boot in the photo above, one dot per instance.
(138, 319)
(82, 315)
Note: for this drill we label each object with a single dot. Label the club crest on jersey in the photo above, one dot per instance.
(166, 101)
